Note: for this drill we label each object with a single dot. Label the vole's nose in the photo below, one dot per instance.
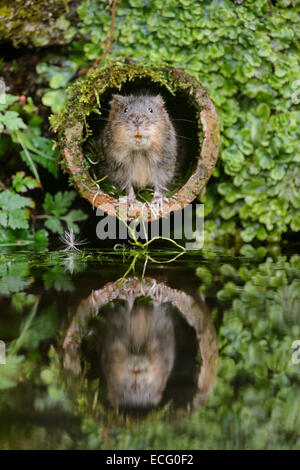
(137, 121)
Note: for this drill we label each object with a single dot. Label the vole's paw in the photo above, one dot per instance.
(157, 205)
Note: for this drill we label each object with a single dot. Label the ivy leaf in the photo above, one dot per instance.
(295, 223)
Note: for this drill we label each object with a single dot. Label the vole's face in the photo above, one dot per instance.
(138, 119)
(137, 357)
(135, 380)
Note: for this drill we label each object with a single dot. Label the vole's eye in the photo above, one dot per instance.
(126, 110)
(150, 110)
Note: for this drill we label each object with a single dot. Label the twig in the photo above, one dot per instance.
(109, 41)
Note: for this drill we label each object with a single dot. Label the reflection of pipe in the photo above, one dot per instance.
(193, 310)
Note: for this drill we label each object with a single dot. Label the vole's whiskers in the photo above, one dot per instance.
(183, 137)
(185, 120)
(105, 119)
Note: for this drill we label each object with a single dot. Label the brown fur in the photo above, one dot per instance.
(138, 354)
(139, 146)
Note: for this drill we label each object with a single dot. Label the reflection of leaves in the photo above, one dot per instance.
(58, 279)
(13, 277)
(18, 343)
(11, 372)
(21, 301)
(260, 302)
(36, 328)
(11, 284)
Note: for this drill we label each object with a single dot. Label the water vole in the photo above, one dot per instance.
(139, 143)
(138, 353)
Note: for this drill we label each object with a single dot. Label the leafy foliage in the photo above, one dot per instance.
(247, 55)
(13, 277)
(57, 207)
(22, 183)
(13, 210)
(34, 149)
(22, 127)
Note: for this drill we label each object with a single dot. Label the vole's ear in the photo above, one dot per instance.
(117, 99)
(158, 99)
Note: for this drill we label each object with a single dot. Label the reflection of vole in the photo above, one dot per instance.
(139, 143)
(138, 355)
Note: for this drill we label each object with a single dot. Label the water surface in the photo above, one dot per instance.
(122, 351)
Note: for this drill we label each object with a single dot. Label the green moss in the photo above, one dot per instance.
(85, 94)
(247, 56)
(33, 22)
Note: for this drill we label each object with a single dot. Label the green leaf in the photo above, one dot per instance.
(37, 150)
(12, 121)
(10, 201)
(278, 172)
(22, 183)
(59, 203)
(74, 216)
(54, 225)
(9, 100)
(55, 99)
(18, 219)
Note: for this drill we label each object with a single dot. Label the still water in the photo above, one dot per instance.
(126, 351)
